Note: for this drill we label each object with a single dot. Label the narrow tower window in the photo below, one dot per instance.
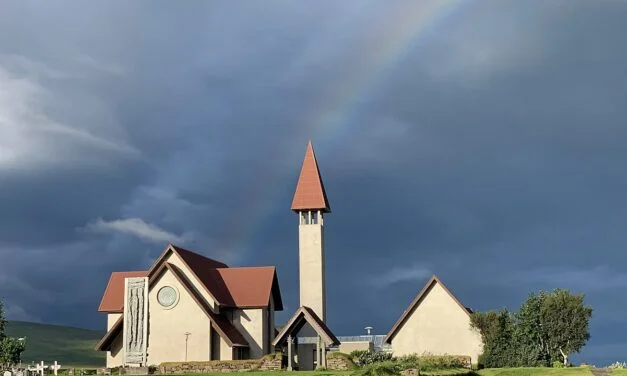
(304, 218)
(314, 217)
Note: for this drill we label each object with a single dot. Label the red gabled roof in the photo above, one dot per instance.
(417, 300)
(220, 323)
(310, 193)
(197, 261)
(250, 287)
(231, 287)
(113, 298)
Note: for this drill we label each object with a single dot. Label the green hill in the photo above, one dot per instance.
(68, 346)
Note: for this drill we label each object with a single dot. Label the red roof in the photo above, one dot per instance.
(113, 298)
(249, 287)
(230, 287)
(218, 322)
(198, 261)
(310, 193)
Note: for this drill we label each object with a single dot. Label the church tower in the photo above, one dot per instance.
(311, 204)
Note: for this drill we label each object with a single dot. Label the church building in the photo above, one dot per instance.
(188, 307)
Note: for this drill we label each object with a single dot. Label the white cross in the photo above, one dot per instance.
(55, 367)
(41, 368)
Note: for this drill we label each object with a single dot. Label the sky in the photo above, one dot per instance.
(481, 141)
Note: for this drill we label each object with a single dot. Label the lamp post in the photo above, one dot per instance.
(369, 330)
(186, 338)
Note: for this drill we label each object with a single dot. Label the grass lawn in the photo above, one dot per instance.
(448, 372)
(572, 371)
(619, 372)
(68, 346)
(281, 373)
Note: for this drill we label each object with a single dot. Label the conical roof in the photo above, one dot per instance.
(310, 193)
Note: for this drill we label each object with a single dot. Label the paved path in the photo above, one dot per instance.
(601, 371)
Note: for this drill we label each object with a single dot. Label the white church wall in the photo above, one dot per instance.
(311, 268)
(115, 356)
(437, 326)
(226, 351)
(251, 323)
(167, 326)
(111, 319)
(175, 260)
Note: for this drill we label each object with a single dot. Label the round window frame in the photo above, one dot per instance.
(176, 301)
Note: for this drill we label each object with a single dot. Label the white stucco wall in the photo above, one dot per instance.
(226, 351)
(175, 260)
(250, 323)
(311, 268)
(114, 357)
(167, 327)
(111, 319)
(438, 326)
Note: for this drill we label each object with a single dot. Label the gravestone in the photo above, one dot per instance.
(7, 373)
(41, 368)
(55, 367)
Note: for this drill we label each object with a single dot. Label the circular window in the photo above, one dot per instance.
(167, 296)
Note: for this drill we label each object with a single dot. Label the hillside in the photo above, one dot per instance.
(68, 346)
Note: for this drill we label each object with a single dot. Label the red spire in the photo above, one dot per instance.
(310, 194)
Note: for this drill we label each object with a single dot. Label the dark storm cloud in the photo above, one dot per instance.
(490, 153)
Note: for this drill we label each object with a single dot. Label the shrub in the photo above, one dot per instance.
(408, 362)
(363, 358)
(387, 368)
(558, 364)
(618, 365)
(431, 362)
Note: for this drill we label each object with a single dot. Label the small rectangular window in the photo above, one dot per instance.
(314, 218)
(304, 218)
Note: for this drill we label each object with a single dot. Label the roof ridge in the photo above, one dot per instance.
(184, 250)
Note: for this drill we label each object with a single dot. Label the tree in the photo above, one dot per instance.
(11, 349)
(565, 320)
(3, 322)
(532, 340)
(548, 327)
(497, 329)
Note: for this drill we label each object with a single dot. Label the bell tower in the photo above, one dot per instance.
(311, 204)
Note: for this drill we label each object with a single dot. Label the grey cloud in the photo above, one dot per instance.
(492, 145)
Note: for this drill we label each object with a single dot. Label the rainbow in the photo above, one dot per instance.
(328, 120)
